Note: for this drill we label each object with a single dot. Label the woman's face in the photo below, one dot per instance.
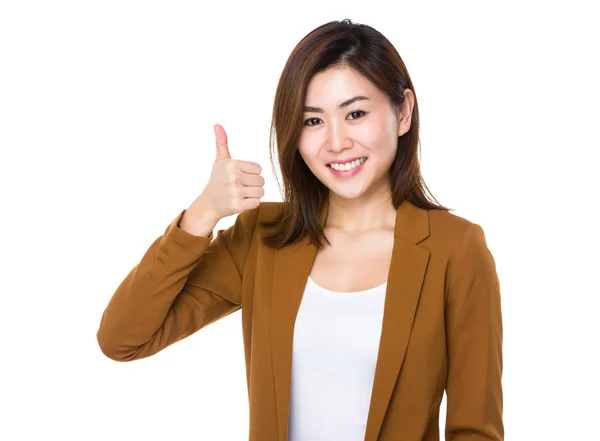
(350, 133)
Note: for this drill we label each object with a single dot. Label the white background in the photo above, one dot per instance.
(106, 114)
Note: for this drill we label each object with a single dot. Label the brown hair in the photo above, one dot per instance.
(336, 44)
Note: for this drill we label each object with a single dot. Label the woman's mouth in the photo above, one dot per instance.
(347, 169)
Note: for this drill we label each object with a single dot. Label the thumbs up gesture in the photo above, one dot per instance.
(234, 185)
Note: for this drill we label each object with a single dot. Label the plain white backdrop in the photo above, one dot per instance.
(106, 114)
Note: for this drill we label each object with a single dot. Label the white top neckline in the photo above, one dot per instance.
(328, 291)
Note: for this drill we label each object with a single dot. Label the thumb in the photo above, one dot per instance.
(221, 139)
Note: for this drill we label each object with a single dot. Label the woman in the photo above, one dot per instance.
(362, 301)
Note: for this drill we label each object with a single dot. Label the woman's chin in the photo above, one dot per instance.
(346, 192)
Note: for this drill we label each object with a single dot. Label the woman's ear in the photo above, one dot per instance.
(404, 113)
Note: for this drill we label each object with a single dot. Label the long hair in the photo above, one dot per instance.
(366, 50)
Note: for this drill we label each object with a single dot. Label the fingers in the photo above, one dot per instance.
(221, 141)
(223, 151)
(251, 180)
(243, 175)
(252, 192)
(250, 167)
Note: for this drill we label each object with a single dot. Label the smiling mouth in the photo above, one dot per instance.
(348, 165)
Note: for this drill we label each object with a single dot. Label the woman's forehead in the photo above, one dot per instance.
(332, 88)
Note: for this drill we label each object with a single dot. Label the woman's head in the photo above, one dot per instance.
(350, 130)
(336, 62)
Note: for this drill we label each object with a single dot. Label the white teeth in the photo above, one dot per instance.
(347, 165)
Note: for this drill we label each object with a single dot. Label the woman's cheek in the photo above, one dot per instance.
(309, 142)
(366, 134)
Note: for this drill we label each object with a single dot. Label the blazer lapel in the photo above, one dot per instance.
(292, 266)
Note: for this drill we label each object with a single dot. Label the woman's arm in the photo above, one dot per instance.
(182, 283)
(474, 343)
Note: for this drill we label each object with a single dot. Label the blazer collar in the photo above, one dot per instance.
(291, 267)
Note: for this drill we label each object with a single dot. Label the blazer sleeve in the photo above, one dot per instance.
(474, 343)
(182, 284)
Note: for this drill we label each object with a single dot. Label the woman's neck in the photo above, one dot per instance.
(362, 214)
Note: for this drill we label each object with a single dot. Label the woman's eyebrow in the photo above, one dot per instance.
(344, 104)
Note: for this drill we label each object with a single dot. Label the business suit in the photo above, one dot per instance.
(442, 324)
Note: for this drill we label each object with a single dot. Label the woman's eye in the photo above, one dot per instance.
(357, 111)
(309, 121)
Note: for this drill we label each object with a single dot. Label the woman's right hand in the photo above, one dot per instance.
(234, 186)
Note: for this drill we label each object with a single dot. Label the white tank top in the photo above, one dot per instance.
(336, 342)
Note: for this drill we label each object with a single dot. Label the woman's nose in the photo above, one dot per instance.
(338, 137)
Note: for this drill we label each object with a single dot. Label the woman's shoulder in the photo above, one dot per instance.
(447, 221)
(452, 229)
(450, 225)
(265, 211)
(268, 210)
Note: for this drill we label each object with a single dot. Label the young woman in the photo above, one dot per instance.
(362, 301)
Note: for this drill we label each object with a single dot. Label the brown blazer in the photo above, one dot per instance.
(442, 324)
